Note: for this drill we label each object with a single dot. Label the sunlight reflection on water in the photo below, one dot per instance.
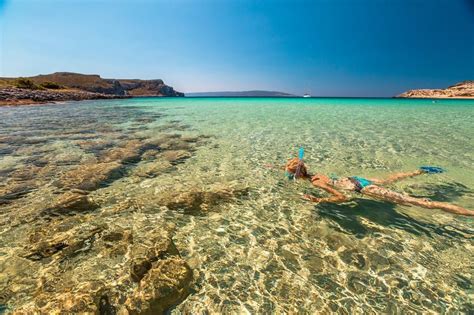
(266, 250)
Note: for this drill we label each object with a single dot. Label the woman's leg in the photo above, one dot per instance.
(390, 195)
(396, 177)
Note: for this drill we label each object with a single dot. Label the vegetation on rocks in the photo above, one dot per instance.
(23, 83)
(51, 85)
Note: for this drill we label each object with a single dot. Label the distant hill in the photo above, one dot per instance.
(463, 89)
(94, 83)
(255, 93)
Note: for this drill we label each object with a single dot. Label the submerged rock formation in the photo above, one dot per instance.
(85, 220)
(76, 244)
(461, 90)
(199, 201)
(118, 269)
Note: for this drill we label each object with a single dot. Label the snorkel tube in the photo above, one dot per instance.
(298, 172)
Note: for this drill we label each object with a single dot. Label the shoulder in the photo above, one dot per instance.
(320, 180)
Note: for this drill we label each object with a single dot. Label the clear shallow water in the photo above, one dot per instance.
(266, 250)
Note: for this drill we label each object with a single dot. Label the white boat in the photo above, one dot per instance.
(306, 95)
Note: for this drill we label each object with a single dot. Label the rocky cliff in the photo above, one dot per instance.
(461, 90)
(94, 83)
(68, 86)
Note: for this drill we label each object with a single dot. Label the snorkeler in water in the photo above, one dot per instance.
(371, 187)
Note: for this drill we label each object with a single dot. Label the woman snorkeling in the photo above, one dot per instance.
(371, 187)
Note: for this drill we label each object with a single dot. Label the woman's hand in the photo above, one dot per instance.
(311, 198)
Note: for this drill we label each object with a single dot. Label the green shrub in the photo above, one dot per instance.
(51, 85)
(23, 83)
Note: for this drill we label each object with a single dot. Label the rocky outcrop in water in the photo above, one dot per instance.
(16, 96)
(461, 90)
(67, 86)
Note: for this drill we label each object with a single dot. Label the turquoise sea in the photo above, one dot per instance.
(254, 246)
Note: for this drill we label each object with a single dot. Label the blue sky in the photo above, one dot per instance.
(326, 47)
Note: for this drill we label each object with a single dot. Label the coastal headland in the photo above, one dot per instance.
(463, 89)
(68, 86)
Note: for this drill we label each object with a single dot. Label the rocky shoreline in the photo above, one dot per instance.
(15, 96)
(69, 86)
(463, 89)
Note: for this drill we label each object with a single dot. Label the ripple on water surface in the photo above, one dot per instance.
(109, 204)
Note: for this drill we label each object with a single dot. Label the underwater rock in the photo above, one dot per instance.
(139, 268)
(166, 157)
(171, 142)
(86, 267)
(166, 284)
(354, 258)
(11, 139)
(105, 308)
(89, 177)
(191, 139)
(150, 154)
(70, 203)
(27, 172)
(338, 240)
(64, 303)
(163, 138)
(79, 264)
(59, 236)
(358, 282)
(152, 169)
(176, 156)
(69, 155)
(196, 201)
(129, 153)
(14, 191)
(177, 144)
(314, 262)
(94, 146)
(174, 125)
(148, 251)
(6, 149)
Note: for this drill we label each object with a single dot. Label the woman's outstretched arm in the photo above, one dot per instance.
(336, 197)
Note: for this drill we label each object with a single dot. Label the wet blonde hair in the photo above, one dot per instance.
(292, 165)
